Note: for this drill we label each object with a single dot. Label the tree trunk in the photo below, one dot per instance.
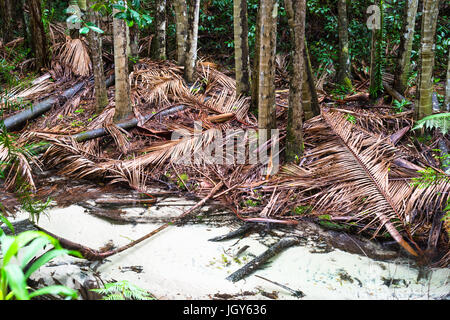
(7, 8)
(241, 50)
(95, 43)
(161, 30)
(344, 73)
(447, 86)
(134, 34)
(426, 60)
(192, 40)
(181, 22)
(376, 58)
(296, 13)
(266, 50)
(406, 42)
(255, 71)
(39, 38)
(309, 78)
(122, 92)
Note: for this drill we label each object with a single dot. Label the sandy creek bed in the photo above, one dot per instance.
(180, 262)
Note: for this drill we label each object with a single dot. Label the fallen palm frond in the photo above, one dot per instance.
(73, 54)
(349, 171)
(15, 161)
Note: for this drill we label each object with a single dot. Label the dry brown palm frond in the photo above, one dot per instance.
(74, 55)
(156, 89)
(119, 135)
(16, 160)
(352, 169)
(185, 145)
(214, 79)
(226, 103)
(136, 178)
(39, 86)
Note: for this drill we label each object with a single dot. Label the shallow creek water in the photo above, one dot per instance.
(180, 263)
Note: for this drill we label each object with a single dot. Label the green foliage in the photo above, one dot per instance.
(439, 121)
(428, 177)
(400, 106)
(182, 179)
(8, 65)
(351, 118)
(302, 210)
(24, 254)
(123, 290)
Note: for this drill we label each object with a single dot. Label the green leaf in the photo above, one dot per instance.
(6, 221)
(24, 238)
(73, 19)
(33, 249)
(55, 290)
(120, 15)
(16, 281)
(84, 30)
(96, 29)
(44, 259)
(119, 7)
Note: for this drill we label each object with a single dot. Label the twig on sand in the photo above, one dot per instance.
(95, 255)
(295, 293)
(244, 229)
(261, 259)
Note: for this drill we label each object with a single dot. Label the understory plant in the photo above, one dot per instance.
(123, 290)
(21, 256)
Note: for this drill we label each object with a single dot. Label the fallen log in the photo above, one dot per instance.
(393, 92)
(263, 258)
(100, 132)
(36, 110)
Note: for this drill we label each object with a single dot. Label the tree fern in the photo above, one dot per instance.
(439, 121)
(123, 290)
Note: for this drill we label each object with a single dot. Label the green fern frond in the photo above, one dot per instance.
(439, 121)
(123, 290)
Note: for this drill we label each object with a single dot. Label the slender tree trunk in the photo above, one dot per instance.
(39, 38)
(181, 22)
(7, 9)
(134, 36)
(315, 108)
(192, 41)
(95, 43)
(406, 42)
(426, 60)
(266, 65)
(447, 86)
(344, 72)
(296, 12)
(255, 71)
(241, 50)
(122, 91)
(161, 29)
(376, 57)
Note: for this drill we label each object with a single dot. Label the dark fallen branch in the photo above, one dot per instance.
(36, 110)
(243, 230)
(100, 132)
(393, 93)
(96, 255)
(397, 136)
(295, 293)
(253, 265)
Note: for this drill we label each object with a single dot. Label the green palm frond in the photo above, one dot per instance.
(439, 121)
